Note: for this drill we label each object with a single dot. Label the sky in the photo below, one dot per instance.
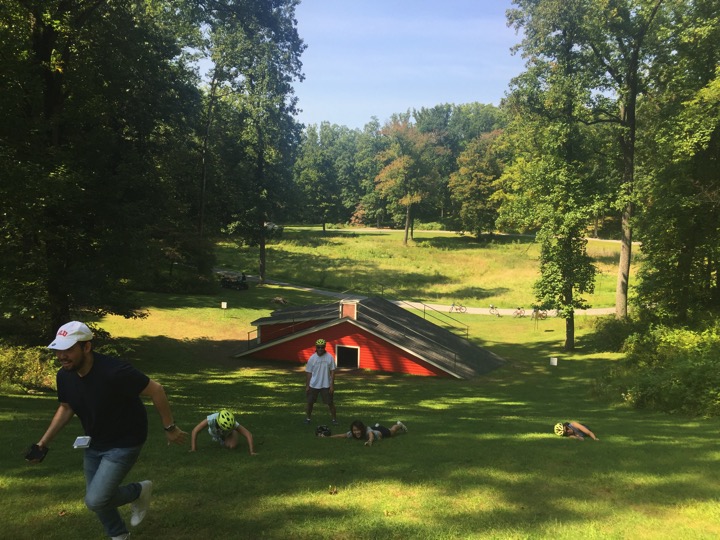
(368, 58)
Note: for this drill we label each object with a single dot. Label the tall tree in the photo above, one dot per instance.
(678, 165)
(474, 183)
(554, 181)
(258, 55)
(617, 40)
(409, 174)
(371, 206)
(83, 132)
(326, 173)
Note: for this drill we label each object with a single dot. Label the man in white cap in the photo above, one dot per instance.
(104, 392)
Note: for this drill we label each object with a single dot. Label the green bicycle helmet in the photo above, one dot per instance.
(225, 420)
(320, 343)
(559, 429)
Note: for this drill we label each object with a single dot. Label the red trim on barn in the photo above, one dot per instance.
(375, 353)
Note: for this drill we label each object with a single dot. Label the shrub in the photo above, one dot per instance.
(27, 368)
(610, 334)
(673, 370)
(429, 226)
(24, 369)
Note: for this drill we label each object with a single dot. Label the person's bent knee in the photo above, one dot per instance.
(95, 503)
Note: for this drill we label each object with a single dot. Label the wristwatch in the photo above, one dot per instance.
(170, 427)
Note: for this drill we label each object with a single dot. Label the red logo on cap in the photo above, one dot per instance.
(62, 333)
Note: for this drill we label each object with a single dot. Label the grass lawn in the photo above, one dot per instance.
(480, 459)
(435, 268)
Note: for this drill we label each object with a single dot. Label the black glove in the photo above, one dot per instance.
(36, 454)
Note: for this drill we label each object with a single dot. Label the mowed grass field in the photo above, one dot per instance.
(436, 267)
(479, 461)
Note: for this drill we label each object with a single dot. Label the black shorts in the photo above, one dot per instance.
(327, 396)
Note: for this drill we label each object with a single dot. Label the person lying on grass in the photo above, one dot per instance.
(358, 430)
(224, 430)
(574, 430)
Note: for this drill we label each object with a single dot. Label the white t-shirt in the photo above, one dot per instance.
(320, 367)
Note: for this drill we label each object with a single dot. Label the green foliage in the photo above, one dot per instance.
(610, 333)
(113, 168)
(673, 370)
(429, 226)
(474, 183)
(678, 166)
(26, 368)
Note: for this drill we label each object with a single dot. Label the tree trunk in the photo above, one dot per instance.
(407, 224)
(262, 255)
(570, 332)
(623, 278)
(204, 156)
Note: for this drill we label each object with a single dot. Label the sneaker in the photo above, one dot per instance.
(307, 420)
(402, 426)
(121, 537)
(140, 506)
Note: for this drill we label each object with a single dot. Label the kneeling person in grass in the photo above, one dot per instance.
(358, 430)
(224, 430)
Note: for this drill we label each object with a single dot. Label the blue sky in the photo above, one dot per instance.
(378, 57)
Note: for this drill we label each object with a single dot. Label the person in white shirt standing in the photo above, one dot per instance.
(320, 380)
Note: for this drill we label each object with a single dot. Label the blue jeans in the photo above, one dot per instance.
(104, 470)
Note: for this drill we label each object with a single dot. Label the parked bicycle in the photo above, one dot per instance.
(457, 306)
(539, 313)
(519, 312)
(494, 310)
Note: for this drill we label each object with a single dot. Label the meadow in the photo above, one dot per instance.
(436, 268)
(479, 461)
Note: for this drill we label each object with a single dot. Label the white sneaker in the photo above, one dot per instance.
(140, 506)
(121, 537)
(402, 426)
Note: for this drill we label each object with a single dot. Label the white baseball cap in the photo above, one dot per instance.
(69, 334)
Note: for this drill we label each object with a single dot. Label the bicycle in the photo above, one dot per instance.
(457, 306)
(494, 310)
(539, 313)
(519, 312)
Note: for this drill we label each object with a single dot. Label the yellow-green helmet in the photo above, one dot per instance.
(559, 429)
(320, 342)
(225, 420)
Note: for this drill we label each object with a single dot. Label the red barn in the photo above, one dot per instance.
(369, 333)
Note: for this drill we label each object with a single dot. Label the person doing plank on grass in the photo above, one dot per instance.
(574, 430)
(223, 429)
(358, 430)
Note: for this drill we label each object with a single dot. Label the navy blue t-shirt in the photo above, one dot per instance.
(107, 401)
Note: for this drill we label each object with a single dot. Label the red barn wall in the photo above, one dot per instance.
(375, 354)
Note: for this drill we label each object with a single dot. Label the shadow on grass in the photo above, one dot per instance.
(470, 242)
(479, 293)
(258, 297)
